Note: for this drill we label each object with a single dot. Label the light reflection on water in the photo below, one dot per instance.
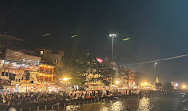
(117, 106)
(104, 108)
(144, 104)
(131, 104)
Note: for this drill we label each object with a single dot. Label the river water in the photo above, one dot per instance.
(160, 103)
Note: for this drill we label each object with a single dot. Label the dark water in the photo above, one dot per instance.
(165, 103)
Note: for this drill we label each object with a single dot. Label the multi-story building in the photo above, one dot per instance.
(92, 80)
(26, 72)
(17, 68)
(127, 77)
(96, 79)
(46, 74)
(50, 56)
(21, 70)
(6, 41)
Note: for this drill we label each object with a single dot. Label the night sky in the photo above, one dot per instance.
(157, 29)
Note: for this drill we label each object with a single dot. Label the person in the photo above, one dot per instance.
(10, 108)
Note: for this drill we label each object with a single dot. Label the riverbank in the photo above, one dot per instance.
(61, 104)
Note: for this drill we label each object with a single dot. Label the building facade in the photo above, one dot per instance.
(21, 72)
(49, 56)
(127, 77)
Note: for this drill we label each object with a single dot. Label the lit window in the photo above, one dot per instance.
(41, 52)
(56, 60)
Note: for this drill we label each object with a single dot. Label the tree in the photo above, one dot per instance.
(106, 73)
(167, 86)
(75, 64)
(79, 64)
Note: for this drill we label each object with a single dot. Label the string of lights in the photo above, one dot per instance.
(157, 60)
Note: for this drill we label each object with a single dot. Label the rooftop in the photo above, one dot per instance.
(9, 38)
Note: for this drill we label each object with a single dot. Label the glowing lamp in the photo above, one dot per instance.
(183, 86)
(145, 83)
(65, 79)
(117, 82)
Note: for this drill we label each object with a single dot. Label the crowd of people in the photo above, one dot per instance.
(11, 99)
(24, 98)
(20, 98)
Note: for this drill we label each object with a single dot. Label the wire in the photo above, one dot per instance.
(169, 58)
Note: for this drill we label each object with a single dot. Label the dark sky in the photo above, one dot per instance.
(157, 29)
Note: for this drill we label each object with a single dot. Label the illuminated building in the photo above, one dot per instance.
(127, 76)
(93, 77)
(22, 72)
(51, 57)
(6, 41)
(92, 81)
(14, 67)
(45, 74)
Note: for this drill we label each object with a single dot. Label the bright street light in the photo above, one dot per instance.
(112, 36)
(183, 86)
(65, 79)
(155, 64)
(145, 83)
(117, 82)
